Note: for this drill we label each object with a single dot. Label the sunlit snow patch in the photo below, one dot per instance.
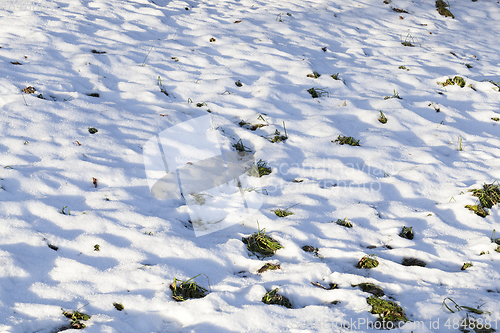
(186, 163)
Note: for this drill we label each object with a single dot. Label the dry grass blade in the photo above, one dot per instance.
(268, 267)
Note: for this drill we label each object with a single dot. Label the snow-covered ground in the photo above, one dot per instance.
(409, 171)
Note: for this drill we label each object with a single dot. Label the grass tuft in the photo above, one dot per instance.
(262, 244)
(442, 8)
(349, 140)
(268, 267)
(406, 232)
(382, 117)
(282, 212)
(387, 310)
(187, 289)
(239, 146)
(395, 95)
(278, 137)
(345, 222)
(273, 297)
(458, 80)
(318, 92)
(259, 169)
(488, 196)
(76, 318)
(368, 262)
(118, 306)
(466, 265)
(314, 75)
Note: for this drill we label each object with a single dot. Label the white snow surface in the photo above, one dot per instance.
(407, 172)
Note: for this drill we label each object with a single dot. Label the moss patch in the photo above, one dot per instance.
(387, 310)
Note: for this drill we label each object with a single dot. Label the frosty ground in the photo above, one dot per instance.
(98, 64)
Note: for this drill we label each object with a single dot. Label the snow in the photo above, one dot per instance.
(407, 172)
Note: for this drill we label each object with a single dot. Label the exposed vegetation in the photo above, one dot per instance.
(260, 243)
(273, 297)
(367, 262)
(187, 289)
(347, 140)
(387, 310)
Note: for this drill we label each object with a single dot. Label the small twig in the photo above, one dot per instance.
(22, 94)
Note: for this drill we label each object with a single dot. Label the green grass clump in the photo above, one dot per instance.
(268, 267)
(406, 232)
(466, 265)
(387, 310)
(250, 126)
(259, 169)
(314, 75)
(367, 262)
(118, 306)
(282, 212)
(442, 8)
(394, 95)
(273, 297)
(278, 137)
(76, 318)
(262, 244)
(345, 222)
(336, 76)
(370, 288)
(413, 262)
(382, 118)
(93, 130)
(187, 289)
(495, 118)
(403, 67)
(239, 146)
(317, 92)
(488, 196)
(458, 80)
(478, 209)
(349, 140)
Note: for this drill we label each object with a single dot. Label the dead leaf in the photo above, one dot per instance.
(94, 181)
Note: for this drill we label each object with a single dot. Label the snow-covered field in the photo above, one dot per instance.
(414, 171)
